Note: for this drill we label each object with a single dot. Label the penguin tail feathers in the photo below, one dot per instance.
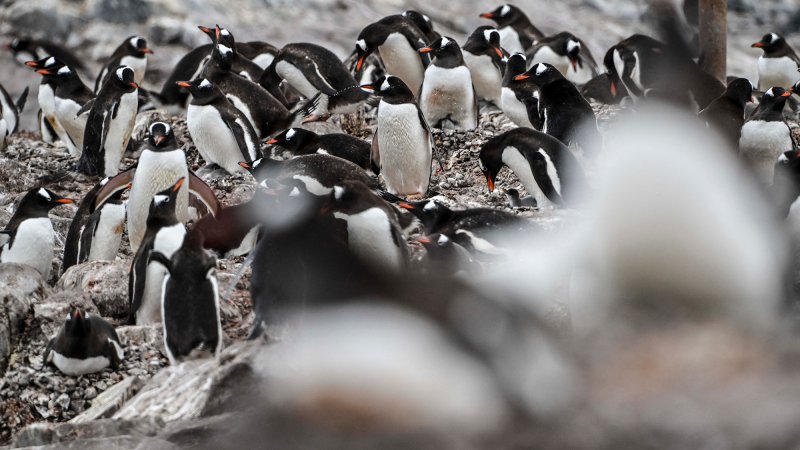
(22, 99)
(309, 107)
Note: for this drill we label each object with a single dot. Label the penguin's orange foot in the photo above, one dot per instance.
(316, 118)
(414, 197)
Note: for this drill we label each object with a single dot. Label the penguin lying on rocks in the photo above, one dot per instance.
(85, 344)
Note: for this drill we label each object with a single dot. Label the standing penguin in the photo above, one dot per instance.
(132, 53)
(86, 208)
(726, 113)
(778, 65)
(239, 64)
(518, 101)
(70, 96)
(190, 301)
(300, 141)
(49, 126)
(10, 109)
(486, 62)
(164, 235)
(222, 133)
(766, 136)
(109, 124)
(544, 165)
(568, 54)
(28, 238)
(85, 344)
(634, 64)
(101, 236)
(403, 144)
(447, 97)
(517, 33)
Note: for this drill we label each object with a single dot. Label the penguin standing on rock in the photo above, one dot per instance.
(519, 103)
(517, 33)
(70, 95)
(403, 144)
(778, 65)
(190, 301)
(766, 136)
(85, 344)
(132, 53)
(486, 62)
(447, 97)
(726, 113)
(28, 238)
(300, 141)
(10, 109)
(49, 126)
(109, 124)
(568, 54)
(101, 236)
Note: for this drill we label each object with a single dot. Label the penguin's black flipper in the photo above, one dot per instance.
(375, 154)
(540, 175)
(245, 135)
(89, 230)
(5, 237)
(21, 100)
(204, 193)
(85, 108)
(48, 352)
(136, 283)
(113, 185)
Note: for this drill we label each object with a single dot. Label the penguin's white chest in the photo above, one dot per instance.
(119, 132)
(75, 367)
(515, 161)
(635, 73)
(546, 54)
(263, 60)
(32, 245)
(515, 109)
(405, 150)
(509, 40)
(74, 125)
(402, 60)
(108, 234)
(486, 77)
(9, 112)
(776, 72)
(139, 66)
(47, 100)
(370, 237)
(448, 98)
(214, 140)
(582, 73)
(761, 144)
(167, 241)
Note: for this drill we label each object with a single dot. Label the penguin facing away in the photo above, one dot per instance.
(447, 97)
(85, 344)
(766, 136)
(132, 53)
(778, 65)
(517, 33)
(486, 61)
(100, 238)
(423, 22)
(726, 113)
(300, 141)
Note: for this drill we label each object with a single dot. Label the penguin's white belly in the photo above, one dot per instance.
(447, 95)
(47, 100)
(509, 40)
(486, 77)
(74, 125)
(522, 169)
(3, 133)
(75, 367)
(773, 72)
(514, 109)
(139, 66)
(402, 60)
(108, 234)
(9, 111)
(214, 140)
(47, 103)
(156, 171)
(405, 150)
(761, 144)
(370, 237)
(545, 54)
(119, 132)
(581, 74)
(263, 60)
(33, 245)
(296, 79)
(168, 240)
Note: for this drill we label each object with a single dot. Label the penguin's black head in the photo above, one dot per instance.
(740, 90)
(486, 38)
(77, 323)
(260, 168)
(211, 32)
(292, 139)
(774, 99)
(20, 45)
(796, 88)
(223, 55)
(771, 43)
(516, 64)
(491, 160)
(45, 63)
(616, 88)
(540, 74)
(444, 49)
(364, 47)
(347, 193)
(435, 244)
(137, 46)
(430, 212)
(421, 21)
(224, 37)
(201, 89)
(161, 135)
(163, 203)
(504, 15)
(572, 48)
(391, 88)
(124, 78)
(42, 200)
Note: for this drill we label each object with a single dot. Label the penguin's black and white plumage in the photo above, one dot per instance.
(190, 301)
(563, 112)
(544, 165)
(373, 229)
(164, 235)
(423, 22)
(11, 109)
(568, 54)
(26, 49)
(318, 173)
(397, 40)
(49, 126)
(300, 141)
(778, 65)
(519, 102)
(318, 75)
(601, 89)
(447, 97)
(85, 344)
(222, 133)
(100, 238)
(28, 238)
(132, 53)
(766, 136)
(266, 114)
(517, 33)
(3, 132)
(70, 95)
(109, 124)
(239, 64)
(402, 145)
(443, 256)
(726, 113)
(633, 64)
(86, 208)
(486, 61)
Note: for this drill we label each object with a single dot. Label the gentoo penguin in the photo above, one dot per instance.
(234, 231)
(109, 124)
(544, 165)
(317, 172)
(49, 126)
(265, 112)
(445, 257)
(300, 141)
(318, 75)
(423, 22)
(778, 65)
(132, 53)
(26, 49)
(486, 62)
(568, 54)
(221, 132)
(373, 230)
(515, 200)
(726, 113)
(28, 238)
(87, 206)
(164, 235)
(600, 89)
(518, 101)
(766, 136)
(101, 236)
(85, 344)
(190, 301)
(517, 33)
(563, 112)
(10, 109)
(633, 64)
(397, 40)
(160, 164)
(70, 96)
(402, 145)
(447, 97)
(239, 64)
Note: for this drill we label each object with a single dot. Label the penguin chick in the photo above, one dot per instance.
(300, 141)
(516, 201)
(85, 344)
(445, 257)
(447, 97)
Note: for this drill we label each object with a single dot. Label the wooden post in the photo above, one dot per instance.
(714, 37)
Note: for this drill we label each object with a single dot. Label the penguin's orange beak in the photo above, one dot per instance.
(574, 63)
(204, 29)
(245, 165)
(31, 64)
(147, 51)
(272, 142)
(758, 45)
(134, 85)
(787, 94)
(184, 84)
(65, 201)
(489, 181)
(521, 77)
(405, 205)
(613, 88)
(425, 50)
(360, 62)
(159, 139)
(423, 240)
(487, 15)
(178, 185)
(368, 87)
(498, 51)
(43, 72)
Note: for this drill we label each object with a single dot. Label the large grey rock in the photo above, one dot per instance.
(45, 19)
(120, 11)
(20, 286)
(105, 283)
(60, 433)
(110, 401)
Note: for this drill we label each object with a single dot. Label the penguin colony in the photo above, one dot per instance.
(340, 217)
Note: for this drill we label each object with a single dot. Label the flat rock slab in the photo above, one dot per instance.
(42, 434)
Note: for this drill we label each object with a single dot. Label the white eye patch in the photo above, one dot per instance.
(224, 32)
(205, 83)
(121, 72)
(442, 239)
(43, 192)
(429, 206)
(224, 49)
(769, 93)
(134, 41)
(773, 37)
(445, 42)
(290, 134)
(50, 61)
(385, 85)
(362, 44)
(540, 69)
(159, 199)
(571, 45)
(338, 192)
(64, 70)
(487, 34)
(505, 10)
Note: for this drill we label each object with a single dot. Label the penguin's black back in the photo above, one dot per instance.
(95, 343)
